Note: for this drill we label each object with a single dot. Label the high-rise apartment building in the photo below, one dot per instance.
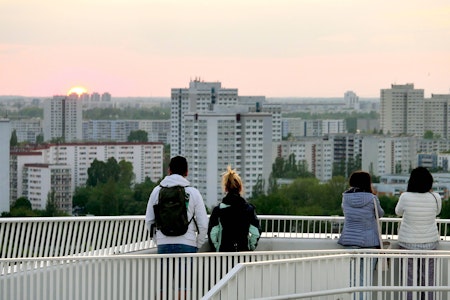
(351, 100)
(5, 136)
(55, 159)
(45, 183)
(333, 126)
(63, 118)
(389, 155)
(214, 140)
(437, 115)
(27, 130)
(213, 126)
(402, 110)
(199, 97)
(315, 153)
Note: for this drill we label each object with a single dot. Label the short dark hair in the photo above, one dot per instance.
(361, 180)
(178, 165)
(420, 181)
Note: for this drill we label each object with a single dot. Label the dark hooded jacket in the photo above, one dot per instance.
(234, 225)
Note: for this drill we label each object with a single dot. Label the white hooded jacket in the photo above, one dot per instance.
(196, 207)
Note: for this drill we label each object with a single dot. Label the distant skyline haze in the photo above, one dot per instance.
(285, 48)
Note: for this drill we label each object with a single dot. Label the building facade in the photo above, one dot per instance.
(27, 130)
(5, 136)
(48, 184)
(214, 140)
(402, 110)
(63, 118)
(146, 159)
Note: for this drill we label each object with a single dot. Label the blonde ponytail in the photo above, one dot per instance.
(231, 181)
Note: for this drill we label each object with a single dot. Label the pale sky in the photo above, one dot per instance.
(272, 48)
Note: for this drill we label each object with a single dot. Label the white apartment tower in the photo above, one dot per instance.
(351, 100)
(32, 171)
(44, 182)
(389, 155)
(437, 115)
(317, 153)
(5, 136)
(199, 97)
(402, 110)
(63, 118)
(215, 140)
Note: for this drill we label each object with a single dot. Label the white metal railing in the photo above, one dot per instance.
(340, 276)
(130, 277)
(269, 275)
(69, 236)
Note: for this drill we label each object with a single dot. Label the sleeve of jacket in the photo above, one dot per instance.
(201, 217)
(255, 229)
(380, 209)
(399, 209)
(150, 213)
(213, 237)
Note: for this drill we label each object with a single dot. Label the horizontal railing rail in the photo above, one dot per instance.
(345, 275)
(318, 274)
(70, 236)
(110, 277)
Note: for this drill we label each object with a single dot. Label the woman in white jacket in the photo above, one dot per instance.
(419, 207)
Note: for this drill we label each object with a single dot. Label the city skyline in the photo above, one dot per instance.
(273, 48)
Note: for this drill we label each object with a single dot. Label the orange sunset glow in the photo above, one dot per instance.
(77, 90)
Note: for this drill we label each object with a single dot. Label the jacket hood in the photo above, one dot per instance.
(233, 200)
(173, 180)
(358, 199)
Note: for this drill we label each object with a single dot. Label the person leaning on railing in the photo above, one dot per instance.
(233, 224)
(418, 207)
(360, 223)
(360, 219)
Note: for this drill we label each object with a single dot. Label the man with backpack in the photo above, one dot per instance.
(177, 212)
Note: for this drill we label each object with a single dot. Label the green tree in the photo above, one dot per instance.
(96, 173)
(40, 139)
(303, 169)
(142, 190)
(51, 208)
(388, 204)
(126, 175)
(278, 167)
(13, 140)
(428, 134)
(138, 136)
(258, 188)
(22, 202)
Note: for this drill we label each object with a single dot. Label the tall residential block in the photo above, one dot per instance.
(315, 153)
(27, 130)
(198, 115)
(402, 110)
(351, 100)
(389, 155)
(63, 118)
(214, 140)
(437, 115)
(199, 97)
(5, 136)
(36, 171)
(45, 183)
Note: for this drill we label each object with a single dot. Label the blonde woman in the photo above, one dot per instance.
(233, 224)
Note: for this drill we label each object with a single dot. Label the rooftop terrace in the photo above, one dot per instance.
(113, 258)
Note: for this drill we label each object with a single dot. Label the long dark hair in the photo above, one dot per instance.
(362, 181)
(420, 180)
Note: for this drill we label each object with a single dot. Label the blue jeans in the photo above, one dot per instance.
(182, 266)
(176, 248)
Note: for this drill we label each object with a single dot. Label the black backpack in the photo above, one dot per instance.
(171, 211)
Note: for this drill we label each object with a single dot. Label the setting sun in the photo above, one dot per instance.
(77, 90)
